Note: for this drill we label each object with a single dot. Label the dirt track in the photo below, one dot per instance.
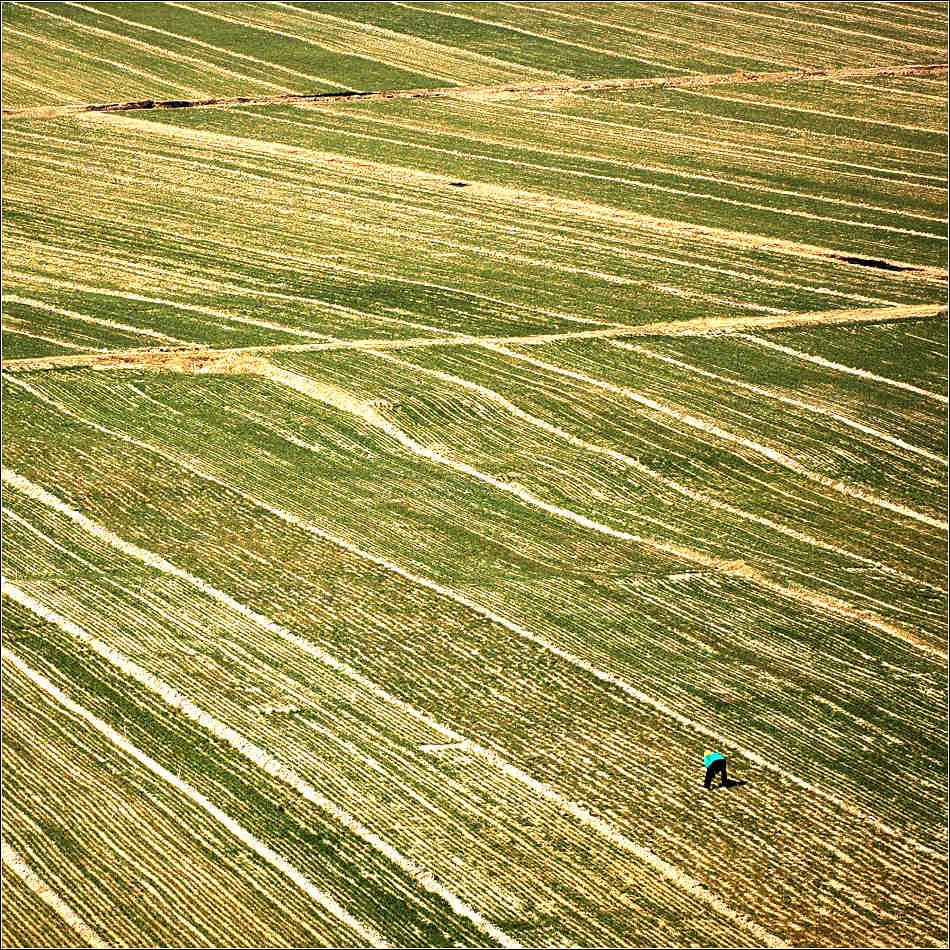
(485, 92)
(201, 359)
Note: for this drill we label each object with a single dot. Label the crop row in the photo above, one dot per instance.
(486, 840)
(135, 858)
(605, 749)
(782, 201)
(276, 430)
(97, 52)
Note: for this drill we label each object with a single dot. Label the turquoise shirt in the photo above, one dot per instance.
(712, 757)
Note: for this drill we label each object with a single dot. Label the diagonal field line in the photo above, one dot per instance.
(366, 933)
(787, 400)
(512, 772)
(841, 368)
(626, 460)
(204, 357)
(260, 757)
(13, 860)
(419, 178)
(603, 675)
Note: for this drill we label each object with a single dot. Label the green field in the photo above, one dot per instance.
(402, 492)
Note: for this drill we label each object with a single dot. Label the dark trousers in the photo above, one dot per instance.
(718, 767)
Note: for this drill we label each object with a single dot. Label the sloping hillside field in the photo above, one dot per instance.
(430, 428)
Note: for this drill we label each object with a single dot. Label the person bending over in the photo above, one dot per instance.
(715, 763)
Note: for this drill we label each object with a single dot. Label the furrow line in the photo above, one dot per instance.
(605, 676)
(662, 189)
(277, 861)
(773, 455)
(260, 757)
(578, 811)
(630, 462)
(344, 401)
(137, 44)
(841, 368)
(200, 43)
(672, 170)
(825, 115)
(788, 400)
(99, 321)
(72, 51)
(567, 234)
(588, 211)
(45, 893)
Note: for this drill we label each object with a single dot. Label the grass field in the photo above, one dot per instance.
(428, 427)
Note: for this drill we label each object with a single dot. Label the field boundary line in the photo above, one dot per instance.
(454, 739)
(273, 858)
(13, 860)
(203, 358)
(604, 676)
(261, 758)
(506, 90)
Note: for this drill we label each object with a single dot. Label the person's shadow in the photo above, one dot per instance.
(733, 783)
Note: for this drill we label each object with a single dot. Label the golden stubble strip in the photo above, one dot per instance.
(502, 91)
(13, 860)
(368, 934)
(207, 359)
(263, 759)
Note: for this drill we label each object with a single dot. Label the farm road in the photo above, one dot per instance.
(548, 88)
(207, 359)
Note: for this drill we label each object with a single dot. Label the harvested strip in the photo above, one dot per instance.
(652, 186)
(494, 140)
(824, 114)
(772, 454)
(531, 33)
(147, 47)
(841, 368)
(508, 90)
(577, 811)
(197, 357)
(518, 197)
(13, 325)
(15, 863)
(72, 51)
(402, 50)
(260, 757)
